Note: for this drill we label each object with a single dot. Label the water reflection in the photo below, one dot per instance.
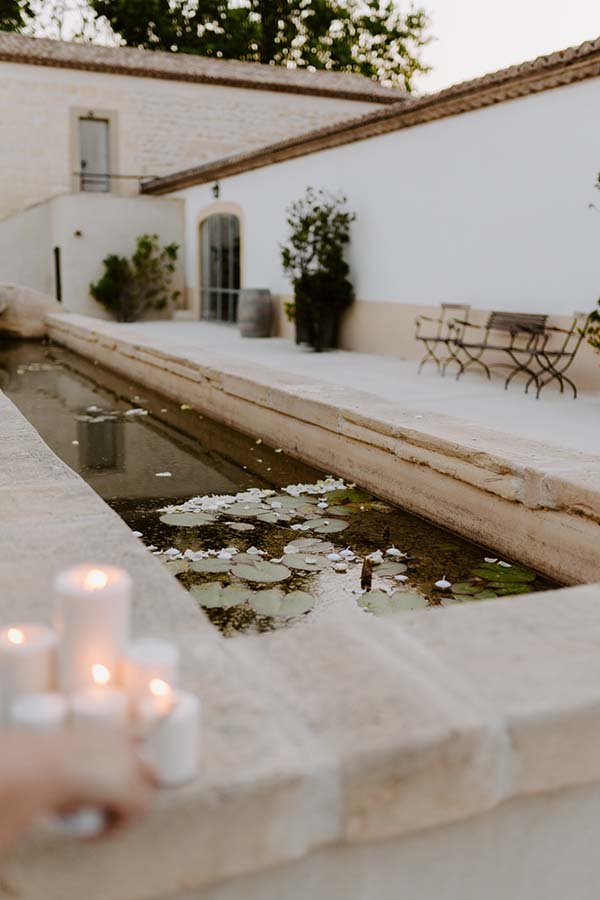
(101, 443)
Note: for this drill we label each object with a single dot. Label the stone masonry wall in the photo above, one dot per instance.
(162, 126)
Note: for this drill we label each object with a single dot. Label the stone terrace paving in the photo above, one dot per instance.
(554, 418)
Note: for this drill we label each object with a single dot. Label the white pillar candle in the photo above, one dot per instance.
(170, 725)
(27, 662)
(48, 712)
(92, 616)
(40, 712)
(148, 659)
(100, 704)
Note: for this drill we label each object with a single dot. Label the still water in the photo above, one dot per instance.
(280, 543)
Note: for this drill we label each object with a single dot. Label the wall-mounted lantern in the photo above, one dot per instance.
(216, 190)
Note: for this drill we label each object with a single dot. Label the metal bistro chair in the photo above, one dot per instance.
(520, 336)
(554, 357)
(439, 334)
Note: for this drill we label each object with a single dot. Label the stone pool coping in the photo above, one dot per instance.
(536, 503)
(331, 733)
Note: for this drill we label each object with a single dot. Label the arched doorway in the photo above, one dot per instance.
(220, 267)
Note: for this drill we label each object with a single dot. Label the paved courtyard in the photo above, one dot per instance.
(554, 419)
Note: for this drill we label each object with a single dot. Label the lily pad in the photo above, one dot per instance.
(291, 503)
(464, 587)
(240, 526)
(486, 595)
(312, 544)
(506, 590)
(187, 519)
(495, 572)
(299, 561)
(247, 510)
(215, 596)
(274, 517)
(264, 572)
(267, 603)
(175, 566)
(326, 526)
(246, 558)
(389, 569)
(211, 566)
(296, 603)
(277, 604)
(381, 604)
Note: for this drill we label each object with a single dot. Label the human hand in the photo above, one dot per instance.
(61, 772)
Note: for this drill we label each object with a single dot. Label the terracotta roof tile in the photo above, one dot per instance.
(185, 67)
(544, 73)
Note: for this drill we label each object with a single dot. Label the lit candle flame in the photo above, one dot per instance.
(163, 695)
(16, 636)
(100, 674)
(95, 580)
(160, 688)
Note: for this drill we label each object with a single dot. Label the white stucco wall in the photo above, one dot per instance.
(107, 224)
(159, 126)
(26, 249)
(488, 207)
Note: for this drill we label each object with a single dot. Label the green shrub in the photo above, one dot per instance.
(314, 259)
(129, 288)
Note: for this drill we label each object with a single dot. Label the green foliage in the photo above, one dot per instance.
(129, 288)
(14, 14)
(313, 257)
(370, 37)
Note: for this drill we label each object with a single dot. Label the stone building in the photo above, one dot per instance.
(479, 194)
(98, 119)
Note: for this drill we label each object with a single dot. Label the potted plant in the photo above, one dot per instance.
(314, 258)
(130, 288)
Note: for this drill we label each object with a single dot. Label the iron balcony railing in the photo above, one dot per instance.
(100, 182)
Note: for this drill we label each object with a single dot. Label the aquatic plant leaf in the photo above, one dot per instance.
(352, 495)
(235, 595)
(211, 566)
(291, 503)
(175, 566)
(326, 526)
(491, 572)
(389, 569)
(299, 561)
(208, 595)
(312, 544)
(245, 558)
(296, 603)
(246, 510)
(240, 526)
(339, 510)
(486, 595)
(381, 604)
(405, 600)
(187, 519)
(275, 517)
(465, 587)
(267, 603)
(265, 572)
(506, 589)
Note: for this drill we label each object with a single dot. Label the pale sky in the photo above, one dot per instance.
(474, 37)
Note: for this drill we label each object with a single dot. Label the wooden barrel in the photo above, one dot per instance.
(255, 312)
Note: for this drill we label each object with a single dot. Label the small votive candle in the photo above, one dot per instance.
(100, 704)
(170, 723)
(92, 616)
(39, 712)
(27, 662)
(149, 659)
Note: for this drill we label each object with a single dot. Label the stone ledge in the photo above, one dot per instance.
(528, 500)
(336, 732)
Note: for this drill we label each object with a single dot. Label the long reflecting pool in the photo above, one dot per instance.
(260, 539)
